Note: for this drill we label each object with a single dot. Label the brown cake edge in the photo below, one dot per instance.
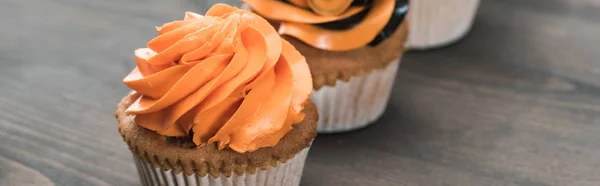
(328, 66)
(155, 149)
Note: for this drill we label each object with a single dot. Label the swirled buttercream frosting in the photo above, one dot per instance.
(226, 78)
(334, 25)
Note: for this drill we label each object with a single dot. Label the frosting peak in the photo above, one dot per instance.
(226, 77)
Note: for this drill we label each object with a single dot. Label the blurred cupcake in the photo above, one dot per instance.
(353, 49)
(436, 23)
(218, 100)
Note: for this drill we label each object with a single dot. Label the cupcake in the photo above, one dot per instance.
(353, 49)
(219, 99)
(436, 23)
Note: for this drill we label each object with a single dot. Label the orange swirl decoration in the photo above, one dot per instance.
(299, 16)
(228, 77)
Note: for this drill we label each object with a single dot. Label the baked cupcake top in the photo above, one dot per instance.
(226, 77)
(340, 25)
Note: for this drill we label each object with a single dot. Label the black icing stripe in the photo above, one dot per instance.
(349, 22)
(361, 3)
(346, 23)
(400, 11)
(354, 3)
(398, 15)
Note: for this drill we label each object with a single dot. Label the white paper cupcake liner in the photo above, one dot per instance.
(284, 174)
(435, 23)
(356, 103)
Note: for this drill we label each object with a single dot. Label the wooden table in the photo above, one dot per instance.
(517, 102)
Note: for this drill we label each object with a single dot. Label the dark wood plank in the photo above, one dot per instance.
(514, 103)
(14, 173)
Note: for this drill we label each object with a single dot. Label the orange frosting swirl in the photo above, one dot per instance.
(297, 21)
(228, 77)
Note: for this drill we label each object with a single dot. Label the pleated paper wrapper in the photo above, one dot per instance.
(284, 174)
(436, 23)
(356, 103)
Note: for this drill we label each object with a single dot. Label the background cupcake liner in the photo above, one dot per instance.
(356, 103)
(288, 173)
(435, 23)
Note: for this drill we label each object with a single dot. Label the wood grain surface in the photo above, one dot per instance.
(516, 102)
